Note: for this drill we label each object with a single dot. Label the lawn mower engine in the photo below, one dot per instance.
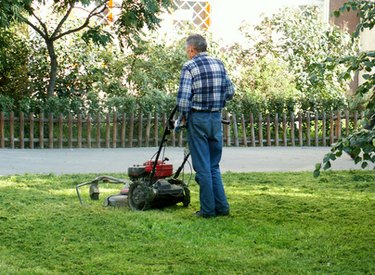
(153, 187)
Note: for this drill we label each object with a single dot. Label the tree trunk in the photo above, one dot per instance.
(53, 69)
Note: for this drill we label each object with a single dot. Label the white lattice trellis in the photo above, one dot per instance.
(193, 12)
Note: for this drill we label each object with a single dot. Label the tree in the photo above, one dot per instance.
(134, 16)
(361, 144)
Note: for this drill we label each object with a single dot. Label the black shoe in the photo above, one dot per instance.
(199, 214)
(222, 213)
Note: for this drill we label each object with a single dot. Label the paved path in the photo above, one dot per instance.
(72, 161)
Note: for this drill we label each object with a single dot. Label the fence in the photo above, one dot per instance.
(144, 130)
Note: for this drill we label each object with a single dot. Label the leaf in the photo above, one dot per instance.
(364, 164)
(327, 165)
(318, 166)
(316, 173)
(357, 160)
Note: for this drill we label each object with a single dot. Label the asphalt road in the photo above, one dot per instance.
(101, 161)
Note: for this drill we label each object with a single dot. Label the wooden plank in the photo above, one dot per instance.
(300, 129)
(308, 129)
(292, 126)
(252, 130)
(70, 131)
(164, 122)
(41, 130)
(123, 130)
(98, 128)
(347, 122)
(276, 129)
(140, 129)
(235, 130)
(131, 130)
(156, 129)
(79, 131)
(285, 128)
(268, 130)
(11, 129)
(50, 131)
(260, 130)
(243, 125)
(148, 130)
(324, 129)
(338, 125)
(31, 138)
(22, 130)
(227, 130)
(355, 120)
(2, 133)
(61, 131)
(114, 131)
(331, 129)
(107, 131)
(88, 134)
(173, 134)
(316, 128)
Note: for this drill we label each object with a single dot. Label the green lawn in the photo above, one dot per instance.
(280, 223)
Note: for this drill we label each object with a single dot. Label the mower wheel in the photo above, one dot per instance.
(139, 196)
(186, 200)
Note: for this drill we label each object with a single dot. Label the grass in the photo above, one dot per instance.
(280, 223)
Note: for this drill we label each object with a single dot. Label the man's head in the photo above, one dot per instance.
(195, 44)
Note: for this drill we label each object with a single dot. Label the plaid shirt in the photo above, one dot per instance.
(204, 85)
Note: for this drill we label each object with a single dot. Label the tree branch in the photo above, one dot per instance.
(93, 13)
(71, 6)
(41, 23)
(44, 35)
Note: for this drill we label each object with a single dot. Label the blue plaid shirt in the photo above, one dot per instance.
(204, 85)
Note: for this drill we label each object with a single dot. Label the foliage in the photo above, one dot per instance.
(14, 53)
(278, 224)
(304, 41)
(361, 144)
(134, 16)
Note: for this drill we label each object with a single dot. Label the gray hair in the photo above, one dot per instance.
(198, 42)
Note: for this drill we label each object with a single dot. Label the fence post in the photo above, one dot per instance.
(148, 128)
(292, 137)
(347, 122)
(300, 129)
(227, 130)
(41, 130)
(276, 129)
(324, 129)
(79, 131)
(88, 135)
(316, 129)
(252, 131)
(285, 141)
(131, 130)
(268, 130)
(22, 131)
(338, 125)
(50, 131)
(140, 128)
(331, 130)
(308, 129)
(235, 130)
(70, 131)
(243, 124)
(123, 130)
(114, 130)
(260, 130)
(98, 128)
(2, 134)
(31, 145)
(61, 131)
(11, 129)
(156, 129)
(107, 131)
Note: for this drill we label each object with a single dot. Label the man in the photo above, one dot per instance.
(204, 89)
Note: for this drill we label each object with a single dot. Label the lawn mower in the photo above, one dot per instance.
(151, 185)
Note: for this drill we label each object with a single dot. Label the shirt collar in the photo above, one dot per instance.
(200, 54)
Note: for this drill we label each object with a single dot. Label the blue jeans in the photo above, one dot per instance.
(206, 145)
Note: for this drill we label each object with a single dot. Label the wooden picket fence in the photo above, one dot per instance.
(145, 130)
